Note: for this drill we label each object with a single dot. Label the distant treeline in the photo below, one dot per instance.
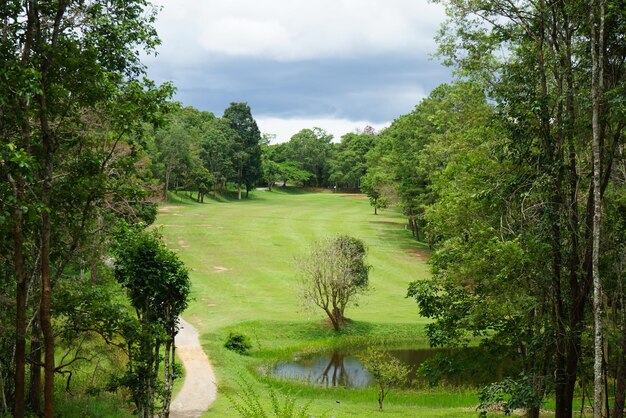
(201, 153)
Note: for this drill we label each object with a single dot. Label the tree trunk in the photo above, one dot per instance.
(20, 269)
(168, 369)
(620, 375)
(46, 287)
(45, 315)
(620, 378)
(240, 179)
(168, 173)
(597, 48)
(34, 391)
(532, 412)
(20, 296)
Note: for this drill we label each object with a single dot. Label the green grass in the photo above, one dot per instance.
(241, 256)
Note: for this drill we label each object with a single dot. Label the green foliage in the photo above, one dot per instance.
(249, 403)
(348, 163)
(157, 284)
(247, 144)
(312, 150)
(238, 343)
(388, 371)
(333, 274)
(510, 394)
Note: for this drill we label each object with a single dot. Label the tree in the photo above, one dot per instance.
(72, 97)
(388, 371)
(312, 149)
(201, 180)
(348, 164)
(174, 154)
(247, 149)
(334, 273)
(597, 85)
(373, 184)
(157, 284)
(511, 181)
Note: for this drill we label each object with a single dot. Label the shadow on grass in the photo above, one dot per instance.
(295, 190)
(225, 196)
(230, 195)
(396, 234)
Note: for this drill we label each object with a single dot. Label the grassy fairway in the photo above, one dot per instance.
(241, 258)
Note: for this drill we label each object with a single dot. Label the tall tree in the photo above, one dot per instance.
(597, 85)
(545, 181)
(157, 284)
(247, 148)
(67, 67)
(348, 165)
(312, 149)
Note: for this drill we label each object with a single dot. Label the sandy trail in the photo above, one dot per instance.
(199, 389)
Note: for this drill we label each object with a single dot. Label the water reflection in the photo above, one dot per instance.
(328, 369)
(469, 366)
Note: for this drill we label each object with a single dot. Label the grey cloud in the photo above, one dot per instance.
(377, 88)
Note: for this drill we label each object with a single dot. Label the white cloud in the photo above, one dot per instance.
(284, 129)
(296, 29)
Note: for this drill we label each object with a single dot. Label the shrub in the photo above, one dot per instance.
(238, 343)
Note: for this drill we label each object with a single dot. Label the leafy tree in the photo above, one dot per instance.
(348, 164)
(247, 149)
(201, 180)
(174, 154)
(513, 197)
(334, 273)
(73, 101)
(216, 148)
(312, 150)
(290, 172)
(388, 371)
(157, 284)
(374, 185)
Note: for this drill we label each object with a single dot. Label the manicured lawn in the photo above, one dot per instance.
(241, 255)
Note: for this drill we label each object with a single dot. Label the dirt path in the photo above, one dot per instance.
(199, 389)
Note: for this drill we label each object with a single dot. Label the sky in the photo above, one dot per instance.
(334, 64)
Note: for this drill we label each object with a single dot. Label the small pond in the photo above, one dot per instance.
(468, 367)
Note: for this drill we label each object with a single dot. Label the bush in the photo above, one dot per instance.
(238, 343)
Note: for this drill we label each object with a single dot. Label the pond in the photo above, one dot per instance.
(467, 367)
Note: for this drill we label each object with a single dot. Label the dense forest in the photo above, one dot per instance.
(514, 175)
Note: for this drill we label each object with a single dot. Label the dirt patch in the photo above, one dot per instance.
(220, 269)
(209, 304)
(183, 244)
(166, 208)
(421, 254)
(355, 196)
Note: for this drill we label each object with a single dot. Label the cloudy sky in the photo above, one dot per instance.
(334, 64)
